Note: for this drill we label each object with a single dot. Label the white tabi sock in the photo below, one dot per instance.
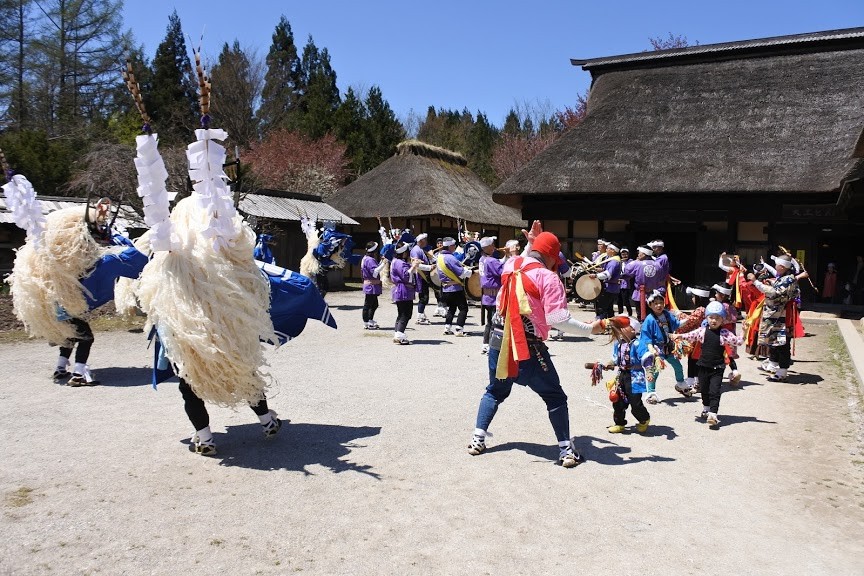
(266, 418)
(781, 372)
(479, 433)
(62, 363)
(83, 370)
(204, 435)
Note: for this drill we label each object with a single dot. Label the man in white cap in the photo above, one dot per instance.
(646, 279)
(609, 277)
(370, 271)
(775, 330)
(490, 283)
(662, 262)
(425, 267)
(453, 276)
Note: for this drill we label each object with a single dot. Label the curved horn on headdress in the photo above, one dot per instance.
(87, 205)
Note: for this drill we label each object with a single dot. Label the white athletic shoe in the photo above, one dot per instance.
(652, 398)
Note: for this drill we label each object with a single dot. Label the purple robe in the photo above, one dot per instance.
(490, 279)
(447, 285)
(612, 267)
(422, 277)
(662, 262)
(371, 284)
(403, 285)
(647, 275)
(628, 271)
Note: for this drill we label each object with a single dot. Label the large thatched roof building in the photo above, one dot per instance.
(427, 189)
(737, 146)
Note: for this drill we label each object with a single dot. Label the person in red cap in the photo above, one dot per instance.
(532, 300)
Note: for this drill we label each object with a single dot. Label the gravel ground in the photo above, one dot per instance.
(372, 475)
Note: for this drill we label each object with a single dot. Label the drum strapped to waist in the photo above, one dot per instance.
(588, 288)
(472, 286)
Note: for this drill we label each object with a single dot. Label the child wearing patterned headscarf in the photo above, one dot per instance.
(713, 343)
(628, 355)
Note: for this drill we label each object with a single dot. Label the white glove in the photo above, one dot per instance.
(466, 273)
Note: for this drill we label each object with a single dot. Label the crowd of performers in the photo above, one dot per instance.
(183, 279)
(212, 294)
(524, 301)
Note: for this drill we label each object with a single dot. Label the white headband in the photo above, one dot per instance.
(698, 292)
(645, 251)
(487, 241)
(722, 289)
(373, 247)
(448, 242)
(612, 246)
(422, 237)
(402, 249)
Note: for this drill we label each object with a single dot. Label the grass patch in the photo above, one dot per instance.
(20, 497)
(106, 323)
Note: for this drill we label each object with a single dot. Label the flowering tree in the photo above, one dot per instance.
(515, 150)
(286, 160)
(669, 42)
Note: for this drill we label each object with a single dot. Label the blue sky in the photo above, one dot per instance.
(482, 55)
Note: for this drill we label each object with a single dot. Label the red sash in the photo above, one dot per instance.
(513, 302)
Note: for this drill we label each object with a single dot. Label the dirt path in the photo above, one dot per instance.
(372, 475)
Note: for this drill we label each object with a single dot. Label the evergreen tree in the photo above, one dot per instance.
(319, 95)
(45, 161)
(383, 129)
(512, 124)
(481, 143)
(348, 127)
(76, 61)
(15, 47)
(281, 91)
(236, 87)
(172, 101)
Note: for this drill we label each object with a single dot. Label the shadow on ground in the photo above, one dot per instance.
(604, 451)
(729, 419)
(125, 376)
(294, 448)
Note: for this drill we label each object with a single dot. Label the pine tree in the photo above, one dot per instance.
(76, 62)
(172, 101)
(348, 127)
(481, 143)
(236, 87)
(384, 130)
(15, 47)
(45, 161)
(280, 94)
(319, 97)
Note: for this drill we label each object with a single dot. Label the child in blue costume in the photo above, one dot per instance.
(659, 323)
(628, 354)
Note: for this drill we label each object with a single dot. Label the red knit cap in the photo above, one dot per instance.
(547, 244)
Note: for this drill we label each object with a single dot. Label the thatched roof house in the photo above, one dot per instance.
(754, 136)
(422, 182)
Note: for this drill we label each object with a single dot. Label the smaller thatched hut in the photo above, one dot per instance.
(427, 189)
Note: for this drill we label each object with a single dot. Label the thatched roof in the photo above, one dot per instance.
(773, 115)
(423, 180)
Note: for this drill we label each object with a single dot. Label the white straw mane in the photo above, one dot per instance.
(210, 308)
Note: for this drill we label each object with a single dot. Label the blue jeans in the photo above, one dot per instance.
(544, 382)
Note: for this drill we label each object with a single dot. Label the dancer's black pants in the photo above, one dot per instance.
(84, 339)
(197, 411)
